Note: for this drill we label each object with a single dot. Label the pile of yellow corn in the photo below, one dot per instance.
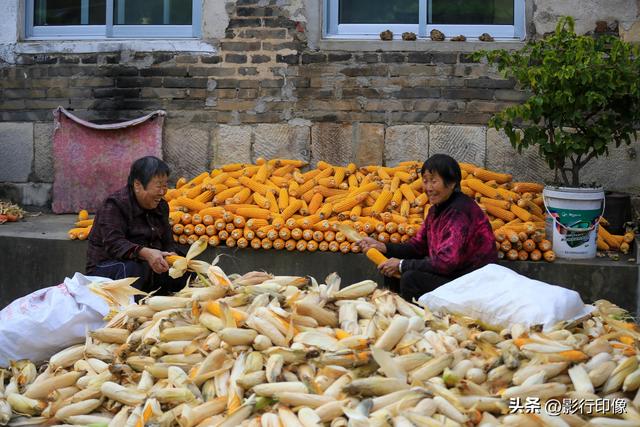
(262, 350)
(273, 204)
(82, 226)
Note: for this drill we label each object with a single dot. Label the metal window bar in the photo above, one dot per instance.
(84, 12)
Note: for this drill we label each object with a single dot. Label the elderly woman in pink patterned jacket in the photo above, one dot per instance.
(455, 238)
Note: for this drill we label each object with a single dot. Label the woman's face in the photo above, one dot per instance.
(149, 197)
(436, 189)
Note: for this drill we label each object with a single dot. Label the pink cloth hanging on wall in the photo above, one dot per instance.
(91, 161)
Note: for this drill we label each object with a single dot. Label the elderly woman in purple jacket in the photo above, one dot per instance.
(455, 238)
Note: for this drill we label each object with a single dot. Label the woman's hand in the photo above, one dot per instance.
(390, 267)
(155, 259)
(367, 243)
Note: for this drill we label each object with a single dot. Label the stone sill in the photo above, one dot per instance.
(112, 45)
(375, 44)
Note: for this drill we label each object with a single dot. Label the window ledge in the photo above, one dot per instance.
(421, 45)
(112, 45)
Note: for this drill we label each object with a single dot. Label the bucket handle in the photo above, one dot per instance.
(572, 229)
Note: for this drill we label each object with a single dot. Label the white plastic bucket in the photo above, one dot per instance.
(572, 220)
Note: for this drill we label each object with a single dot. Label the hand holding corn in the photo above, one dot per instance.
(155, 259)
(390, 267)
(367, 243)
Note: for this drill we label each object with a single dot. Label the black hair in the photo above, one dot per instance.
(145, 168)
(445, 166)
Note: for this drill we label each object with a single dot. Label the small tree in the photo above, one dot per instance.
(585, 94)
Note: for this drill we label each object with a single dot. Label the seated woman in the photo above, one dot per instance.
(455, 238)
(131, 234)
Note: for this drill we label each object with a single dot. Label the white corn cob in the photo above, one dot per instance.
(303, 399)
(632, 381)
(308, 417)
(238, 336)
(375, 386)
(272, 389)
(273, 367)
(393, 334)
(122, 394)
(42, 389)
(580, 379)
(288, 418)
(111, 335)
(357, 290)
(80, 408)
(67, 357)
(431, 368)
(617, 377)
(173, 395)
(24, 405)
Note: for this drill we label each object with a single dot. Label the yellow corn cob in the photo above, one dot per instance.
(222, 196)
(482, 188)
(272, 202)
(191, 205)
(87, 222)
(521, 213)
(407, 192)
(349, 203)
(381, 202)
(294, 206)
(283, 199)
(497, 212)
(315, 203)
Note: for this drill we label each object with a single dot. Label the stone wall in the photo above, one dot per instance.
(262, 83)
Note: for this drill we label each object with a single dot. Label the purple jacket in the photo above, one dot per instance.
(455, 238)
(121, 228)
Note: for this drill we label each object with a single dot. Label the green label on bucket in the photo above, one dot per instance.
(572, 218)
(575, 218)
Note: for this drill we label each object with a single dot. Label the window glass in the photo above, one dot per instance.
(479, 12)
(69, 12)
(152, 12)
(378, 12)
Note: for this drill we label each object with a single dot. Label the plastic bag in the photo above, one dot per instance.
(499, 297)
(48, 320)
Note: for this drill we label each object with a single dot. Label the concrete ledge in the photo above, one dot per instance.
(37, 254)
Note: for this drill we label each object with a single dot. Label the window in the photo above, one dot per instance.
(367, 18)
(91, 19)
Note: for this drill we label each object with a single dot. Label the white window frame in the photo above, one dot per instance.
(110, 30)
(333, 29)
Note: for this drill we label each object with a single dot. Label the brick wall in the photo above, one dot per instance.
(265, 93)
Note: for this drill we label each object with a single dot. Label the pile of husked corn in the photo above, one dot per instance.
(273, 204)
(258, 350)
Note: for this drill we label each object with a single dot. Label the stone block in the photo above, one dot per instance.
(368, 143)
(186, 149)
(43, 151)
(617, 171)
(281, 141)
(16, 151)
(406, 142)
(36, 194)
(526, 166)
(463, 143)
(231, 144)
(332, 143)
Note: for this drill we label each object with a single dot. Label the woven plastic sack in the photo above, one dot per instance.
(499, 297)
(48, 320)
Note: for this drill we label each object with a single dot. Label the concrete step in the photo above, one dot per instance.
(36, 253)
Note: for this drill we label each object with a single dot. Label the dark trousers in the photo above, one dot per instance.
(414, 284)
(148, 280)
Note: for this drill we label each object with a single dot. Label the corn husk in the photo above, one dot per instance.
(299, 352)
